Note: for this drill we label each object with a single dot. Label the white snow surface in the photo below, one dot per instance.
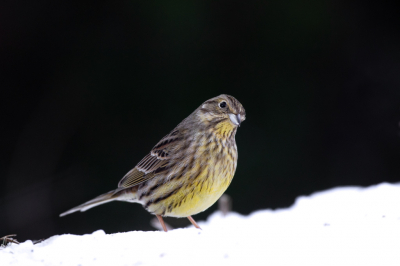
(341, 226)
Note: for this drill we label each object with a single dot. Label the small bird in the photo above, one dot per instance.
(189, 169)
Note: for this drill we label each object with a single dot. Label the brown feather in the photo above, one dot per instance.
(152, 163)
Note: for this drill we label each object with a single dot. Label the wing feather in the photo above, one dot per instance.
(152, 164)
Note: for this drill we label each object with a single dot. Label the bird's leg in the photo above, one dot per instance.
(160, 219)
(193, 222)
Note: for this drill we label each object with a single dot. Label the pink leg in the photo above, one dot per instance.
(193, 222)
(160, 219)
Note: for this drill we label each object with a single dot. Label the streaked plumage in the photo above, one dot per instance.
(189, 169)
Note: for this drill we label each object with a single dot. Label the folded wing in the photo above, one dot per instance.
(154, 163)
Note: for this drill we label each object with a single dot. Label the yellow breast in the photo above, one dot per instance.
(200, 196)
(204, 182)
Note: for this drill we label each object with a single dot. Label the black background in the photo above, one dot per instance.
(89, 87)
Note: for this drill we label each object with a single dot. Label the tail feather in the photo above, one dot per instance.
(104, 198)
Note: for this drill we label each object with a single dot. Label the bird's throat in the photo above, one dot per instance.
(225, 129)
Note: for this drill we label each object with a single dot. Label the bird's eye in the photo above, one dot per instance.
(222, 104)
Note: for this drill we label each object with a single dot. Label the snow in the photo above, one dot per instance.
(341, 226)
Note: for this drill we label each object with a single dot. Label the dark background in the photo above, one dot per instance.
(89, 87)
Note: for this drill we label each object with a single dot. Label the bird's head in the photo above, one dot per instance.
(223, 112)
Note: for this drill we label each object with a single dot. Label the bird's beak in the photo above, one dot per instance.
(235, 119)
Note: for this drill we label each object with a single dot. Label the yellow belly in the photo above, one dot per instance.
(194, 197)
(200, 186)
(198, 200)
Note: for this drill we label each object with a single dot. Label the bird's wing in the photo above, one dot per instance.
(157, 161)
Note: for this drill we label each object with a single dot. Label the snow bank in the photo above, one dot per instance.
(342, 226)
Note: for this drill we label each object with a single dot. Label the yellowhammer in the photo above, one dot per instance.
(189, 169)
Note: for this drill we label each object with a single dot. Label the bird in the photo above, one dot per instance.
(189, 169)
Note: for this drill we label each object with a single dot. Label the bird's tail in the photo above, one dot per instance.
(123, 194)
